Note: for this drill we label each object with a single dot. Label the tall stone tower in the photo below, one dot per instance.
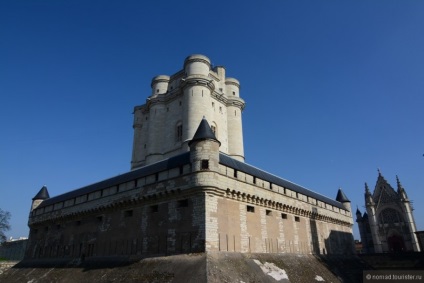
(165, 124)
(388, 224)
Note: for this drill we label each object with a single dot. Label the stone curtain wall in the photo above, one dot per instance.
(13, 250)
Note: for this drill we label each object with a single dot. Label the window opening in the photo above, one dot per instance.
(205, 164)
(250, 208)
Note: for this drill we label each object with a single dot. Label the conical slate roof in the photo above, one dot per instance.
(204, 132)
(42, 194)
(341, 197)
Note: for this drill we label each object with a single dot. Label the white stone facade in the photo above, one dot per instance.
(167, 121)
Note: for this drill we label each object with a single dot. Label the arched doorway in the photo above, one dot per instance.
(395, 242)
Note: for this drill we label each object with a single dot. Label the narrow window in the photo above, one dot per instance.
(181, 170)
(234, 93)
(268, 212)
(297, 219)
(250, 208)
(183, 203)
(179, 134)
(154, 208)
(205, 164)
(283, 216)
(78, 222)
(157, 177)
(254, 180)
(235, 173)
(128, 213)
(99, 218)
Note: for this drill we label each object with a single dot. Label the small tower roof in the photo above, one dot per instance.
(358, 212)
(341, 197)
(42, 194)
(204, 132)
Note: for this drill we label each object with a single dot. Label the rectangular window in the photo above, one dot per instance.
(297, 219)
(183, 203)
(99, 218)
(235, 173)
(154, 208)
(205, 164)
(181, 170)
(268, 212)
(283, 216)
(254, 180)
(250, 208)
(128, 213)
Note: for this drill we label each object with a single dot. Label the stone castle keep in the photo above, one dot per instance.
(189, 189)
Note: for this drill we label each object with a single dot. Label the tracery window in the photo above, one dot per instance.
(389, 216)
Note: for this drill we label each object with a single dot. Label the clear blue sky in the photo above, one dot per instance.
(333, 89)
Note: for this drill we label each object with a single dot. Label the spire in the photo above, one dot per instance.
(204, 132)
(358, 213)
(400, 190)
(367, 190)
(399, 185)
(341, 197)
(42, 194)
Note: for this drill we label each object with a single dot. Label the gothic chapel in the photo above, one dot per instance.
(388, 224)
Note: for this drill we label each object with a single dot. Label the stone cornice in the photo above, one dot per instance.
(197, 80)
(268, 203)
(192, 60)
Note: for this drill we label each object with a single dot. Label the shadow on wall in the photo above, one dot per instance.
(314, 232)
(337, 243)
(340, 243)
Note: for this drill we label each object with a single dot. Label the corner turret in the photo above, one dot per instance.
(204, 148)
(159, 85)
(341, 197)
(42, 195)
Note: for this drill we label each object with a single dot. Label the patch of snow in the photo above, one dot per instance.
(272, 270)
(319, 278)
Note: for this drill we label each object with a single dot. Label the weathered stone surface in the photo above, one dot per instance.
(211, 267)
